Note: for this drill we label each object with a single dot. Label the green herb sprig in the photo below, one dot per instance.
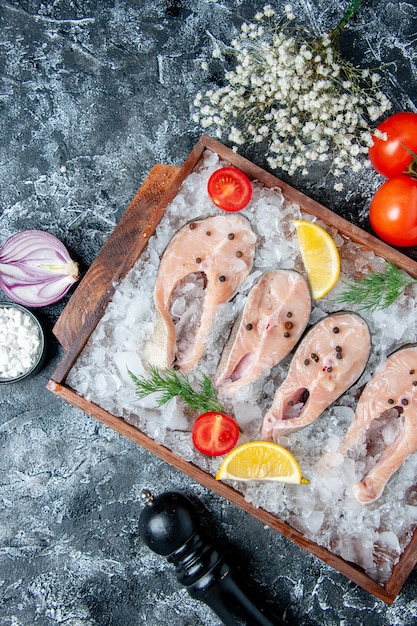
(377, 290)
(172, 383)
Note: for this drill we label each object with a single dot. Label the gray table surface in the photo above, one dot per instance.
(92, 95)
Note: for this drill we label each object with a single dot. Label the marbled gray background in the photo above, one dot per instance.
(92, 94)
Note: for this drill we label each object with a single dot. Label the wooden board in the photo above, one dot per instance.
(86, 307)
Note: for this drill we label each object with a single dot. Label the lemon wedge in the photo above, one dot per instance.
(320, 257)
(260, 460)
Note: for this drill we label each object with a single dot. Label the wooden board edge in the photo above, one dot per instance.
(404, 567)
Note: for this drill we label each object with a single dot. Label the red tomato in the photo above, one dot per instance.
(393, 212)
(230, 189)
(215, 433)
(390, 158)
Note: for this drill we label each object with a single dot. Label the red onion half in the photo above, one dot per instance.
(35, 268)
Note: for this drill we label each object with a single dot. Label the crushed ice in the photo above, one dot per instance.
(325, 511)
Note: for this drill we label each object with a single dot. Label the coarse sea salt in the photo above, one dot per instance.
(20, 342)
(326, 510)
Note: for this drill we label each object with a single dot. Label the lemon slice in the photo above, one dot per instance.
(260, 460)
(320, 257)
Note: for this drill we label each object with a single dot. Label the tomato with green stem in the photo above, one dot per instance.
(215, 433)
(394, 148)
(230, 189)
(393, 211)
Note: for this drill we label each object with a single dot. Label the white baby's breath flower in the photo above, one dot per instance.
(295, 94)
(289, 12)
(206, 122)
(380, 135)
(374, 113)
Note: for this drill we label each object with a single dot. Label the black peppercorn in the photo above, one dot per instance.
(306, 361)
(336, 330)
(231, 236)
(222, 278)
(249, 326)
(198, 260)
(238, 253)
(390, 401)
(286, 335)
(192, 226)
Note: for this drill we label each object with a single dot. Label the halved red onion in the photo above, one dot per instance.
(36, 268)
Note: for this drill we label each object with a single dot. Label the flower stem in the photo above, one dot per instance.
(335, 33)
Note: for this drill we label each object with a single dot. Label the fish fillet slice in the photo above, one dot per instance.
(393, 385)
(219, 248)
(329, 359)
(274, 317)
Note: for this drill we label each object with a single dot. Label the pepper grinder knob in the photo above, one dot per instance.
(167, 521)
(169, 526)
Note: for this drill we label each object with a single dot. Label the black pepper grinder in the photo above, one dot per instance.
(169, 526)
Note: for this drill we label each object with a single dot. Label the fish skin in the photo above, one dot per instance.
(323, 386)
(250, 353)
(220, 254)
(392, 380)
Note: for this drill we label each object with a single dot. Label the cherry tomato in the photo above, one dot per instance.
(230, 189)
(390, 158)
(215, 433)
(393, 211)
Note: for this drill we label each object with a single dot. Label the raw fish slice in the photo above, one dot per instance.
(219, 250)
(274, 317)
(393, 388)
(329, 359)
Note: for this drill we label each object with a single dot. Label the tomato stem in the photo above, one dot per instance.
(412, 167)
